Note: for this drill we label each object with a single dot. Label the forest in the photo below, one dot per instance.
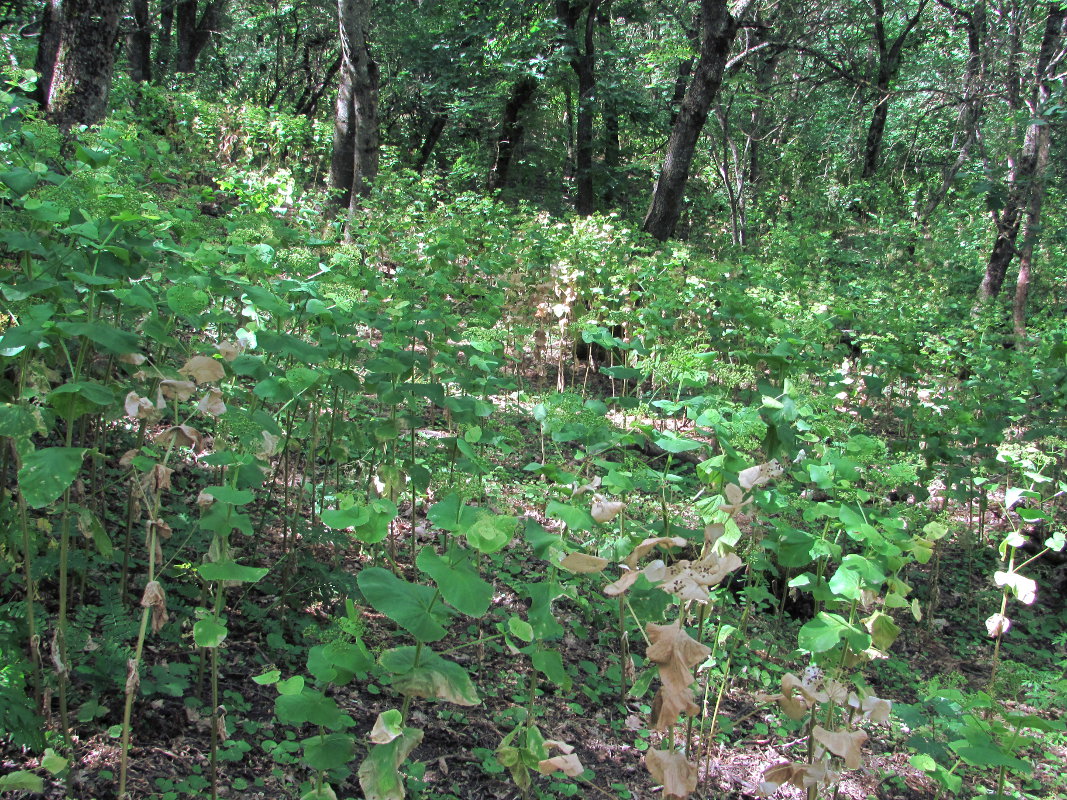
(620, 399)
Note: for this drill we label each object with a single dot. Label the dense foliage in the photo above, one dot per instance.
(475, 485)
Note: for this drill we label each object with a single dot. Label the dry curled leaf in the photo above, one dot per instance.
(203, 369)
(139, 407)
(583, 563)
(212, 404)
(182, 436)
(155, 599)
(760, 474)
(605, 510)
(175, 390)
(127, 458)
(157, 479)
(383, 732)
(692, 580)
(675, 652)
(230, 350)
(136, 359)
(625, 581)
(133, 676)
(271, 445)
(204, 499)
(677, 774)
(650, 544)
(845, 744)
(567, 763)
(585, 488)
(735, 499)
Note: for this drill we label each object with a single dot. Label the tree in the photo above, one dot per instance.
(1025, 191)
(354, 164)
(75, 59)
(718, 27)
(139, 43)
(888, 65)
(195, 30)
(582, 61)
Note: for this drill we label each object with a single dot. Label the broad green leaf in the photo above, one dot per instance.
(988, 754)
(268, 678)
(884, 631)
(72, 400)
(107, 337)
(458, 580)
(231, 571)
(47, 473)
(22, 781)
(550, 663)
(434, 678)
(339, 662)
(827, 630)
(227, 494)
(330, 751)
(52, 762)
(208, 632)
(187, 301)
(19, 180)
(293, 685)
(310, 706)
(521, 628)
(379, 774)
(407, 604)
(491, 532)
(577, 519)
(673, 443)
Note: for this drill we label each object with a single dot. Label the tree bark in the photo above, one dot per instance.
(309, 99)
(84, 61)
(47, 49)
(354, 164)
(610, 114)
(582, 60)
(166, 28)
(1025, 181)
(433, 136)
(194, 34)
(512, 128)
(888, 66)
(139, 43)
(717, 34)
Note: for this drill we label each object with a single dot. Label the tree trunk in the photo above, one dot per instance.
(717, 34)
(312, 94)
(166, 27)
(1025, 181)
(354, 164)
(193, 34)
(433, 136)
(888, 65)
(47, 49)
(512, 128)
(582, 61)
(84, 61)
(139, 43)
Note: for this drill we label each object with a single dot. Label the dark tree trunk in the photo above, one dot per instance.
(433, 136)
(354, 165)
(194, 34)
(972, 106)
(166, 27)
(1025, 183)
(582, 60)
(610, 114)
(717, 34)
(888, 66)
(512, 128)
(47, 49)
(84, 61)
(312, 94)
(139, 43)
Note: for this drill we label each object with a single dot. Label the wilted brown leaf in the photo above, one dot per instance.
(203, 369)
(845, 744)
(583, 563)
(678, 775)
(211, 403)
(568, 764)
(675, 651)
(182, 436)
(650, 544)
(176, 390)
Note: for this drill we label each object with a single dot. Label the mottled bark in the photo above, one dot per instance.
(512, 127)
(139, 43)
(354, 164)
(313, 93)
(84, 62)
(47, 49)
(716, 37)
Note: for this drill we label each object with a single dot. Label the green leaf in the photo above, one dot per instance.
(267, 678)
(987, 754)
(19, 180)
(330, 751)
(673, 443)
(226, 494)
(491, 532)
(22, 781)
(434, 677)
(521, 628)
(339, 662)
(52, 762)
(231, 571)
(293, 685)
(407, 604)
(550, 663)
(458, 580)
(379, 774)
(47, 473)
(577, 519)
(310, 706)
(884, 631)
(208, 632)
(826, 631)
